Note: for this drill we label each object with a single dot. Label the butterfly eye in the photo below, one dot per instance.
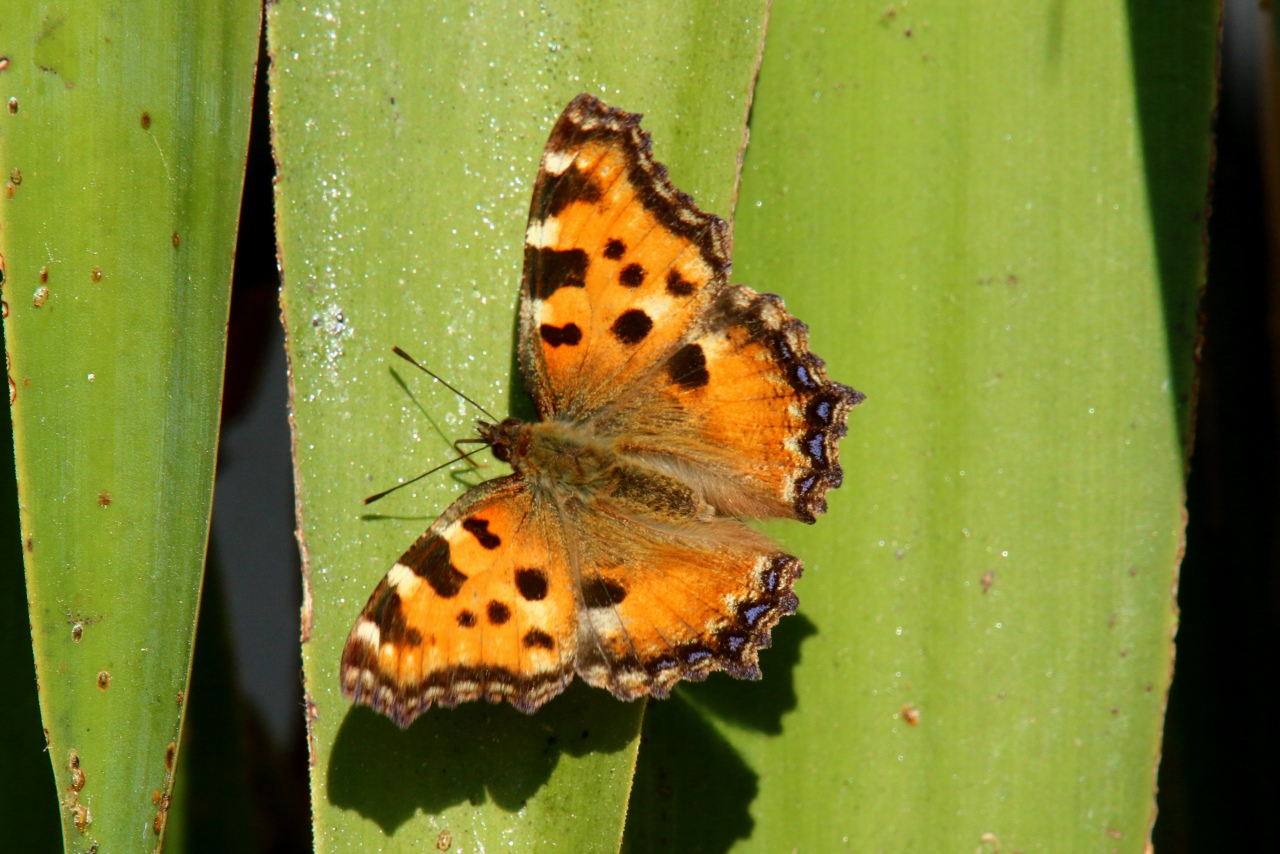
(502, 451)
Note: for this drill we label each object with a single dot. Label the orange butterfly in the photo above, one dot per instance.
(673, 406)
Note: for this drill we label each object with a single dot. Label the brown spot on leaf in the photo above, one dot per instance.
(104, 680)
(96, 274)
(15, 175)
(444, 840)
(910, 714)
(176, 240)
(44, 275)
(988, 579)
(146, 120)
(13, 106)
(170, 753)
(104, 499)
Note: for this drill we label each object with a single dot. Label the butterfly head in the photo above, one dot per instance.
(508, 439)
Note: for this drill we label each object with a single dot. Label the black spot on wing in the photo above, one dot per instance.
(479, 528)
(392, 627)
(678, 285)
(548, 270)
(532, 584)
(688, 367)
(431, 560)
(569, 334)
(600, 592)
(632, 276)
(536, 638)
(466, 619)
(614, 249)
(497, 612)
(632, 326)
(571, 185)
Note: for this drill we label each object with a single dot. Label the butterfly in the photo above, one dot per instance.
(673, 405)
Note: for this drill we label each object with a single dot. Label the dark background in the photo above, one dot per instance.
(1218, 781)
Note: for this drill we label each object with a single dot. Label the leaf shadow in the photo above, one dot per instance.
(472, 754)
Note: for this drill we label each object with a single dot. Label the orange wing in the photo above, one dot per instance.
(663, 602)
(618, 263)
(628, 321)
(480, 606)
(742, 410)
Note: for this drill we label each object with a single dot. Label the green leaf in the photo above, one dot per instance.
(123, 143)
(408, 138)
(990, 214)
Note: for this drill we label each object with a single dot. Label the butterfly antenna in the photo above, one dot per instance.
(385, 492)
(403, 355)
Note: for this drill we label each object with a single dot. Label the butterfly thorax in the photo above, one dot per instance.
(566, 461)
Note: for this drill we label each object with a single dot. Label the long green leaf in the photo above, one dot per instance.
(123, 142)
(408, 138)
(990, 213)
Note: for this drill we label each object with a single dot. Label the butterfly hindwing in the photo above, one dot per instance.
(478, 607)
(743, 409)
(663, 602)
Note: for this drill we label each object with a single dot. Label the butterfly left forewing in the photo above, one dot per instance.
(479, 607)
(618, 263)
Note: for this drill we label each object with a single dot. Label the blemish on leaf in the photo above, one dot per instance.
(176, 240)
(170, 753)
(77, 632)
(15, 176)
(40, 297)
(13, 106)
(181, 698)
(81, 817)
(988, 579)
(104, 499)
(146, 120)
(31, 544)
(44, 275)
(104, 680)
(4, 62)
(444, 841)
(96, 274)
(910, 714)
(73, 765)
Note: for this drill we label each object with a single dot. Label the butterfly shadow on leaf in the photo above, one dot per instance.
(688, 771)
(474, 753)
